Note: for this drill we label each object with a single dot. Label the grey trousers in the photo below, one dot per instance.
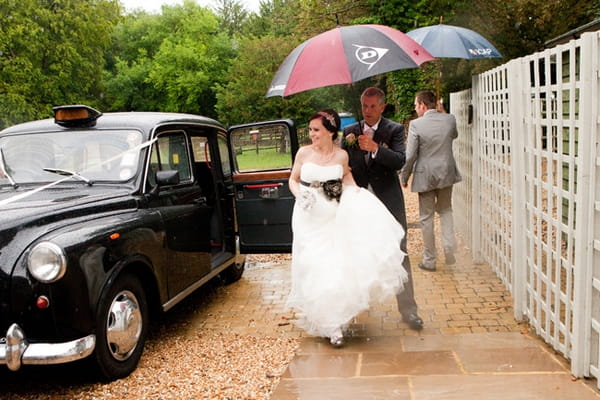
(440, 201)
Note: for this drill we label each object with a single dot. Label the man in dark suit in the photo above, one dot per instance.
(375, 148)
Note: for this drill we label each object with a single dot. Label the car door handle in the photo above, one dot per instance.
(200, 201)
(269, 193)
(267, 190)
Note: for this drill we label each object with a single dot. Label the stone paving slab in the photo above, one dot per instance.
(470, 348)
(514, 366)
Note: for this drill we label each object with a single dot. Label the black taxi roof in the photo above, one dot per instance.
(143, 120)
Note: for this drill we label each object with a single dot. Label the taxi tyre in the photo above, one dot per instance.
(122, 328)
(233, 273)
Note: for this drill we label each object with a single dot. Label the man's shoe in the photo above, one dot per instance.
(414, 321)
(429, 268)
(450, 259)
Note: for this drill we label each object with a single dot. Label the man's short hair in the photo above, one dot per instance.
(374, 92)
(427, 97)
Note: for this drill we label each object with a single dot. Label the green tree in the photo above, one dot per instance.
(405, 16)
(522, 27)
(51, 52)
(275, 18)
(242, 98)
(516, 28)
(169, 62)
(232, 16)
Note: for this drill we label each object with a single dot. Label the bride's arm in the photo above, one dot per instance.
(347, 178)
(294, 181)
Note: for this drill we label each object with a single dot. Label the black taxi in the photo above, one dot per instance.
(106, 219)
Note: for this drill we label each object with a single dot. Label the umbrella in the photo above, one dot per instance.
(346, 55)
(449, 41)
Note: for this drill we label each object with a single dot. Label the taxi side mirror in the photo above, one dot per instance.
(167, 178)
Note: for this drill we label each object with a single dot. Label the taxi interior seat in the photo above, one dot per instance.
(206, 181)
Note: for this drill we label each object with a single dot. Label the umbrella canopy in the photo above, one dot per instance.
(345, 55)
(448, 41)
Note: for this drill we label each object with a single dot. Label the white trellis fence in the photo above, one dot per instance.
(530, 160)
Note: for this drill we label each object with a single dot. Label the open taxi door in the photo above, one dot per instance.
(262, 155)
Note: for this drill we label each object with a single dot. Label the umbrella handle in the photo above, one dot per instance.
(439, 79)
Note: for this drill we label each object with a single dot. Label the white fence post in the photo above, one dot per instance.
(460, 105)
(517, 95)
(584, 281)
(476, 182)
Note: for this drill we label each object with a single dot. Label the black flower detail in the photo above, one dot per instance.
(333, 188)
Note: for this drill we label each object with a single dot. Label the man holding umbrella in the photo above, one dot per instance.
(375, 148)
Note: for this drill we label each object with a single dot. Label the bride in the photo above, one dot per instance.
(346, 248)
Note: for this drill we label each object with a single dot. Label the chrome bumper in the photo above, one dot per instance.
(16, 351)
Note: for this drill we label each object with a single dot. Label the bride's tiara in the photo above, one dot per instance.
(328, 117)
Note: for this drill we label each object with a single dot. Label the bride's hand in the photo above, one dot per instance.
(306, 199)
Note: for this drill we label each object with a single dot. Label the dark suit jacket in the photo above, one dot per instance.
(382, 171)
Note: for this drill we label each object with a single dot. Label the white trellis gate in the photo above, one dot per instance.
(530, 160)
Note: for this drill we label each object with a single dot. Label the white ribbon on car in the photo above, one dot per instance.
(20, 196)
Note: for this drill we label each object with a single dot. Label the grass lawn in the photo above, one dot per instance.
(265, 159)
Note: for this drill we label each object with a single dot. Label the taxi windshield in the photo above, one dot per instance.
(95, 155)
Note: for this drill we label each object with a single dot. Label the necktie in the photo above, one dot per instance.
(369, 132)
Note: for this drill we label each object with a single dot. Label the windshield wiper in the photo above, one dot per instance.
(4, 170)
(66, 172)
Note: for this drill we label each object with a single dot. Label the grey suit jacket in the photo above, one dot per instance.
(429, 154)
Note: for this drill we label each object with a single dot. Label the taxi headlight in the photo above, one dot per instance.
(47, 262)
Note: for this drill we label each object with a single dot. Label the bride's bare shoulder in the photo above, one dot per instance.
(304, 151)
(342, 156)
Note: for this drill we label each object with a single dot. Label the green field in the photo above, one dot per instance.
(248, 159)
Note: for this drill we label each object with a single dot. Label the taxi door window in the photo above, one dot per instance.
(170, 153)
(200, 149)
(262, 148)
(224, 155)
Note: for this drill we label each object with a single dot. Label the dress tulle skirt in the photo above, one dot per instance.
(345, 256)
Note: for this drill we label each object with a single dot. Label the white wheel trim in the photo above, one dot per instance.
(123, 325)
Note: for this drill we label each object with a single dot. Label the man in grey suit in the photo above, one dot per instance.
(375, 149)
(430, 160)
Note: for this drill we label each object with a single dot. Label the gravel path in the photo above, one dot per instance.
(178, 363)
(207, 364)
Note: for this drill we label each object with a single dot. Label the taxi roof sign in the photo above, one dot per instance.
(75, 115)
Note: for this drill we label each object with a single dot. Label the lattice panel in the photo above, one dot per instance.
(463, 152)
(495, 178)
(551, 167)
(535, 190)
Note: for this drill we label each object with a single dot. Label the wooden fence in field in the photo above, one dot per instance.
(261, 140)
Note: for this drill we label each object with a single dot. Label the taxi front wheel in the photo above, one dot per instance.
(234, 272)
(122, 327)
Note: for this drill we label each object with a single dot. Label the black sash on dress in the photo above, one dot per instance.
(332, 188)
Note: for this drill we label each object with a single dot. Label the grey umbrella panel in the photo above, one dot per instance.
(448, 41)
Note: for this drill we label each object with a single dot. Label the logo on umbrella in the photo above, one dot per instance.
(369, 55)
(481, 52)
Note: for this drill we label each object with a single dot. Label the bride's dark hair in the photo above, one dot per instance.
(330, 120)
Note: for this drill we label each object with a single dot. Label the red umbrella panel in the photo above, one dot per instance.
(345, 55)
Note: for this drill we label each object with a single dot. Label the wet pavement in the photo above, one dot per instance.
(470, 348)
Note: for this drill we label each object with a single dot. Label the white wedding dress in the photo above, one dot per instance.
(345, 254)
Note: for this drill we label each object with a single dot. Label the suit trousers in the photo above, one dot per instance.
(440, 201)
(406, 298)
